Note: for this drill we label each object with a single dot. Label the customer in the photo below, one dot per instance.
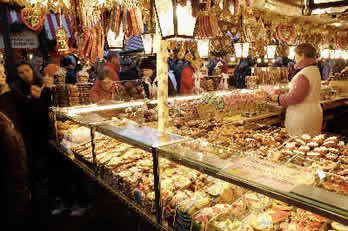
(104, 89)
(14, 172)
(304, 114)
(34, 98)
(113, 65)
(37, 62)
(69, 63)
(187, 81)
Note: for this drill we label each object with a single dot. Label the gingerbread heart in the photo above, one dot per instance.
(290, 31)
(33, 18)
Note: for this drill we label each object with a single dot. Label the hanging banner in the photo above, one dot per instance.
(25, 39)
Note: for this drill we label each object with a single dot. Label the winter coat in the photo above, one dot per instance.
(14, 171)
(187, 81)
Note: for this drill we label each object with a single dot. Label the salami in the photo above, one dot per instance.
(102, 42)
(98, 46)
(94, 49)
(117, 21)
(133, 20)
(84, 42)
(89, 47)
(236, 7)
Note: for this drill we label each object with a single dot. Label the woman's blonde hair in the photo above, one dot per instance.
(307, 49)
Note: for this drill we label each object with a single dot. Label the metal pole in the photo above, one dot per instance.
(93, 150)
(157, 185)
(9, 58)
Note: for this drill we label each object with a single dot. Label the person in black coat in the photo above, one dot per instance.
(33, 97)
(14, 173)
(242, 70)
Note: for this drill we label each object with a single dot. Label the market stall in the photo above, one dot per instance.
(218, 157)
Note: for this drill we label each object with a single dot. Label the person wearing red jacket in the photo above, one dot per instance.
(187, 81)
(104, 89)
(113, 65)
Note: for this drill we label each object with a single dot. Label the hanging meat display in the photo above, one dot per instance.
(92, 44)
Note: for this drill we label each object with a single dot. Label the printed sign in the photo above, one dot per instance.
(267, 173)
(25, 39)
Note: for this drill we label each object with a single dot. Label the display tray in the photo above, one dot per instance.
(139, 136)
(276, 180)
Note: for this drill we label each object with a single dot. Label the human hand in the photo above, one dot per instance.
(35, 91)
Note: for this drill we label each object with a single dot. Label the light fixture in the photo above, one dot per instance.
(292, 52)
(149, 43)
(175, 19)
(115, 42)
(325, 53)
(241, 49)
(259, 60)
(345, 54)
(332, 53)
(271, 50)
(338, 54)
(203, 48)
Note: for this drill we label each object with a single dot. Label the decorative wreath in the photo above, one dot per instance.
(32, 19)
(283, 37)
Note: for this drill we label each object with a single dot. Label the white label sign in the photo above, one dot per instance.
(24, 39)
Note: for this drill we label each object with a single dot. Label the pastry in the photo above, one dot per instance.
(321, 150)
(300, 142)
(330, 144)
(263, 222)
(290, 146)
(331, 156)
(319, 138)
(313, 154)
(332, 138)
(334, 150)
(304, 148)
(313, 144)
(306, 138)
(339, 227)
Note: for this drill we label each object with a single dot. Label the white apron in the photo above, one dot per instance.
(307, 116)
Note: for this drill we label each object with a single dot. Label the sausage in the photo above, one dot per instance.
(117, 20)
(102, 42)
(236, 7)
(89, 47)
(94, 49)
(84, 42)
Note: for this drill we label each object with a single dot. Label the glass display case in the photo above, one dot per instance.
(194, 182)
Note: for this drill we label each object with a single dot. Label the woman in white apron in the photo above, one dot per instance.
(304, 114)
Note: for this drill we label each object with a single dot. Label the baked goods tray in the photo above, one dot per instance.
(275, 180)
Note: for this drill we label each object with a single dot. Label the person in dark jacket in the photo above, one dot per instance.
(242, 70)
(69, 63)
(14, 172)
(34, 98)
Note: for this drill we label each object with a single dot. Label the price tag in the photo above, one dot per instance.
(206, 111)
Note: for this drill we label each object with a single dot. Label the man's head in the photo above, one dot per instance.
(113, 57)
(105, 78)
(37, 60)
(147, 67)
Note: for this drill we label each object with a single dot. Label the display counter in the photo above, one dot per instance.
(205, 162)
